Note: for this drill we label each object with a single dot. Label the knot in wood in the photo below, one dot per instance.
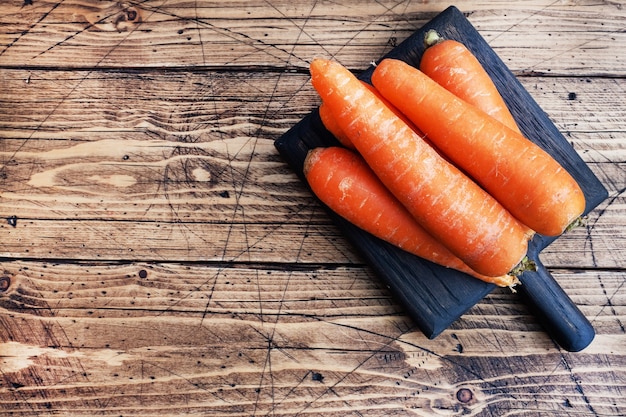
(12, 221)
(316, 376)
(464, 395)
(5, 283)
(131, 14)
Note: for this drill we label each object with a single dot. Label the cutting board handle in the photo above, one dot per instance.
(561, 318)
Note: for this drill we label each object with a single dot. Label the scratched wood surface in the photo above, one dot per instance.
(157, 257)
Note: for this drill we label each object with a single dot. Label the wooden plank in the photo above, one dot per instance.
(175, 241)
(152, 289)
(145, 338)
(600, 244)
(536, 37)
(188, 106)
(180, 105)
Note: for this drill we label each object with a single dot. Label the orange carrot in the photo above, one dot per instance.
(454, 67)
(451, 207)
(331, 125)
(393, 109)
(345, 183)
(518, 173)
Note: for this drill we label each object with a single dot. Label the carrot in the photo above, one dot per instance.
(343, 181)
(331, 125)
(451, 207)
(454, 67)
(393, 108)
(518, 173)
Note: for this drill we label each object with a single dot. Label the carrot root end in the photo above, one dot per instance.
(515, 282)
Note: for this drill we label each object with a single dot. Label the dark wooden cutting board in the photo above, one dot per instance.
(435, 296)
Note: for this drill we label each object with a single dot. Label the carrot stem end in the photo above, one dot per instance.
(578, 222)
(432, 37)
(525, 264)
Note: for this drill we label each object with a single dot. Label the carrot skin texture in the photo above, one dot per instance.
(451, 207)
(331, 125)
(454, 67)
(393, 109)
(343, 181)
(329, 122)
(519, 174)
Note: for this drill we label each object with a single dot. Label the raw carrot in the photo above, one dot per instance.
(451, 207)
(519, 174)
(343, 181)
(393, 109)
(330, 124)
(455, 67)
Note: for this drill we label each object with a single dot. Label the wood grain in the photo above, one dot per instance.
(176, 33)
(157, 256)
(303, 342)
(200, 167)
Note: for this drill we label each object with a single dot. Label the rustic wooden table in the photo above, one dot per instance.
(158, 257)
